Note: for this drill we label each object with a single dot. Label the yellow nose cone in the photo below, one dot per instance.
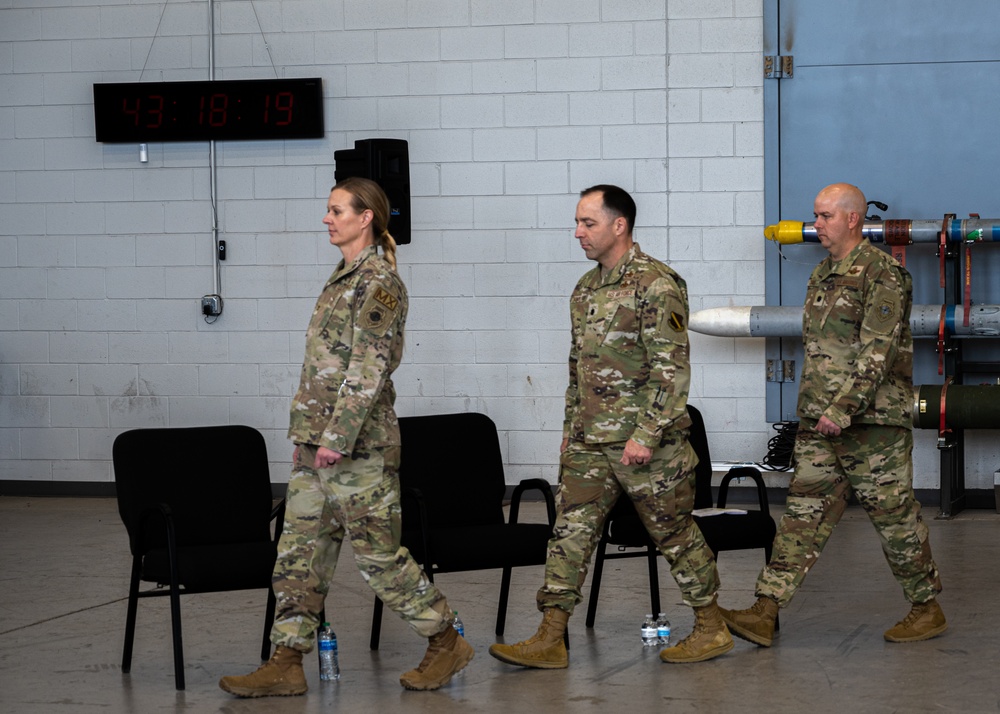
(785, 232)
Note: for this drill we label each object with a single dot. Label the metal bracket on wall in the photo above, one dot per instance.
(780, 370)
(778, 66)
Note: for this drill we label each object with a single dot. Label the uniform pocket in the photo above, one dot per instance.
(622, 334)
(671, 477)
(330, 322)
(885, 477)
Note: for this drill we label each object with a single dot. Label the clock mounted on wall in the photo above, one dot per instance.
(219, 110)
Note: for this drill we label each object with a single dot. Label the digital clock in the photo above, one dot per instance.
(236, 110)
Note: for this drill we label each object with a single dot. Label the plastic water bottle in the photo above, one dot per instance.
(663, 629)
(460, 629)
(649, 634)
(329, 665)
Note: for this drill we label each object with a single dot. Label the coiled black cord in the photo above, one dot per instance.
(780, 446)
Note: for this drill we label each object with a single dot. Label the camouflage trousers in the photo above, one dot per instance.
(358, 497)
(590, 481)
(876, 464)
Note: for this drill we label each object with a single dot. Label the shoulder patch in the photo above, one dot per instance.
(379, 309)
(673, 321)
(885, 312)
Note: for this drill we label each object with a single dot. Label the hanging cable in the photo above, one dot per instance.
(780, 446)
(152, 39)
(213, 187)
(267, 47)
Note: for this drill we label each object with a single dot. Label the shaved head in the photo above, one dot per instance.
(848, 197)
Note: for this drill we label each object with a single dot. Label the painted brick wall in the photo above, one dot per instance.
(509, 108)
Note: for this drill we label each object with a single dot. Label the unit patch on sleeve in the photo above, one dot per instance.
(672, 321)
(379, 310)
(885, 312)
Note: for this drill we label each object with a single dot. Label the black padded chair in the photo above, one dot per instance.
(197, 505)
(624, 530)
(452, 477)
(730, 531)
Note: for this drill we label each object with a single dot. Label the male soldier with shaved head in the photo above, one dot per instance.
(855, 431)
(625, 430)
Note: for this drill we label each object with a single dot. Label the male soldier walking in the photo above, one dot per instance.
(855, 433)
(625, 430)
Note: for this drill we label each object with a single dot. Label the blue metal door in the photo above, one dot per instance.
(901, 98)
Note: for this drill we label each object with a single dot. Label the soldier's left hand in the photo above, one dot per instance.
(826, 427)
(325, 458)
(635, 454)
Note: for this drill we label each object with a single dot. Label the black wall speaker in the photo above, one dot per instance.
(387, 163)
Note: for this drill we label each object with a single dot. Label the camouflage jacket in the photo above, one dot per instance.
(628, 364)
(353, 344)
(858, 365)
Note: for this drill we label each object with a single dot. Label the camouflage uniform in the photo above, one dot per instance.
(858, 373)
(345, 403)
(628, 379)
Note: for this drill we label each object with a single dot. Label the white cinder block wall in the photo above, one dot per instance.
(509, 107)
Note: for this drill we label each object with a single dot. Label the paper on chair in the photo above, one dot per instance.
(717, 511)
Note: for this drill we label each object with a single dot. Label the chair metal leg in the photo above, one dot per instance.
(130, 614)
(767, 559)
(654, 579)
(502, 605)
(265, 645)
(376, 624)
(595, 584)
(175, 625)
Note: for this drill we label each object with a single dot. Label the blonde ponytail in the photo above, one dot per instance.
(388, 245)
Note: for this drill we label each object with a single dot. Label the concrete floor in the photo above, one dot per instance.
(64, 569)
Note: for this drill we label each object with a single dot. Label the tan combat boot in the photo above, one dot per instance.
(707, 640)
(447, 654)
(545, 650)
(755, 624)
(280, 676)
(924, 621)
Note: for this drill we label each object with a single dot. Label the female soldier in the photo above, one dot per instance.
(346, 460)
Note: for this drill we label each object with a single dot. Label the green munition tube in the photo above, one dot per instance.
(966, 406)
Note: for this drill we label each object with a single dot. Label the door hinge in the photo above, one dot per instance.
(778, 66)
(781, 370)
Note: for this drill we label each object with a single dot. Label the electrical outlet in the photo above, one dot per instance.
(211, 305)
